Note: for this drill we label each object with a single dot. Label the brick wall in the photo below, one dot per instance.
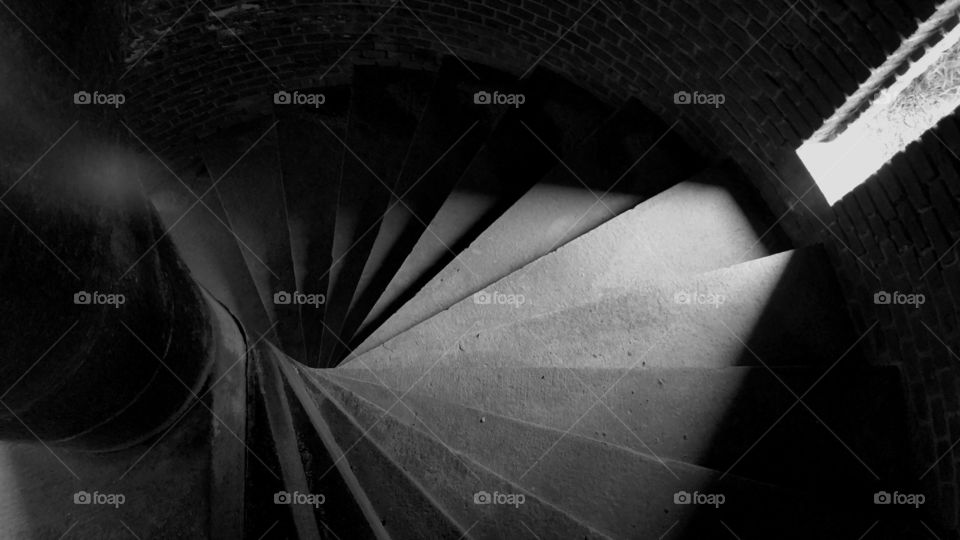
(778, 91)
(898, 233)
(811, 55)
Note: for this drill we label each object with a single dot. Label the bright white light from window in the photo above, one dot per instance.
(927, 92)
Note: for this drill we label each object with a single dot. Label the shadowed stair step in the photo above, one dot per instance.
(264, 474)
(695, 226)
(311, 156)
(451, 132)
(201, 233)
(396, 507)
(716, 418)
(512, 161)
(309, 470)
(454, 480)
(285, 442)
(245, 168)
(386, 107)
(612, 171)
(621, 493)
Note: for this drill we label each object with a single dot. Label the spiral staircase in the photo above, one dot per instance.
(478, 319)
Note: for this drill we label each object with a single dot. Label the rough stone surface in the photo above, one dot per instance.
(622, 493)
(706, 417)
(452, 478)
(511, 162)
(694, 227)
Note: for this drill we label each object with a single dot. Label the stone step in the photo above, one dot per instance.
(451, 132)
(264, 474)
(307, 466)
(782, 310)
(629, 159)
(194, 218)
(403, 508)
(715, 418)
(281, 430)
(393, 505)
(387, 104)
(696, 226)
(245, 167)
(310, 158)
(621, 493)
(563, 115)
(451, 478)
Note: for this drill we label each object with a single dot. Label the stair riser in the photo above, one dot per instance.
(451, 132)
(311, 157)
(387, 106)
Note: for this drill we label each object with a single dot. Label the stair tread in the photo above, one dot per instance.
(394, 505)
(282, 432)
(596, 482)
(708, 417)
(512, 161)
(570, 202)
(451, 132)
(311, 156)
(602, 263)
(454, 479)
(313, 468)
(386, 107)
(244, 164)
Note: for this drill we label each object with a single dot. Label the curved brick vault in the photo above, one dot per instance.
(785, 67)
(190, 69)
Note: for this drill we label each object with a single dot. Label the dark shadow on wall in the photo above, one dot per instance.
(826, 458)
